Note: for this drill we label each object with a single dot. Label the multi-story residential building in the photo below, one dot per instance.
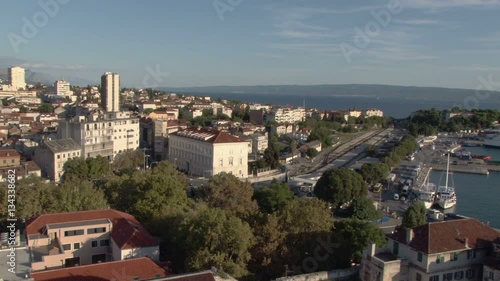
(491, 269)
(110, 92)
(194, 113)
(208, 152)
(162, 129)
(438, 251)
(259, 142)
(222, 111)
(17, 78)
(104, 135)
(51, 156)
(286, 115)
(63, 88)
(257, 116)
(89, 237)
(373, 112)
(9, 158)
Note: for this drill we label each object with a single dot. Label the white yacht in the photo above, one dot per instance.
(427, 195)
(493, 142)
(446, 197)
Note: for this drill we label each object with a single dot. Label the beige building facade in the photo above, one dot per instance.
(110, 92)
(51, 156)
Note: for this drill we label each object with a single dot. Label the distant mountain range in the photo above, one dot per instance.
(360, 90)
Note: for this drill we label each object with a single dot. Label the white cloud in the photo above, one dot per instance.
(436, 5)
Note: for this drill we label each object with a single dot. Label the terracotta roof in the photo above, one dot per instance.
(210, 136)
(127, 232)
(9, 153)
(125, 270)
(445, 236)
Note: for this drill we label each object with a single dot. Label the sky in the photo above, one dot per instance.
(182, 43)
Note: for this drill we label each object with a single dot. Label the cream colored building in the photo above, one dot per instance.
(286, 115)
(439, 251)
(89, 237)
(206, 153)
(17, 78)
(63, 88)
(104, 135)
(374, 112)
(51, 156)
(110, 92)
(259, 142)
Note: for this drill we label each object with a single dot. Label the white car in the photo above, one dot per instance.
(396, 196)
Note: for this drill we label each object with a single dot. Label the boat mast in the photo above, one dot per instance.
(447, 170)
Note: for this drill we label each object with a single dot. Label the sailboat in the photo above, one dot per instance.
(427, 193)
(446, 197)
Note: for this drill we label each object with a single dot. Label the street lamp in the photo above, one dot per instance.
(145, 157)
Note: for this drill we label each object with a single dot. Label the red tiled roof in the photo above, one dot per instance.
(445, 236)
(125, 270)
(9, 153)
(127, 232)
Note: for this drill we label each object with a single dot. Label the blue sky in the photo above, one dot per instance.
(445, 43)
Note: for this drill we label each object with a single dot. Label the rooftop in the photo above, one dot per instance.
(127, 232)
(210, 136)
(445, 236)
(62, 145)
(125, 270)
(9, 153)
(77, 223)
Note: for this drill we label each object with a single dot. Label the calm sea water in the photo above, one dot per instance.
(393, 108)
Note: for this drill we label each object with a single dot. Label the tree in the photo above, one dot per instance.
(45, 108)
(76, 168)
(77, 195)
(148, 111)
(274, 197)
(128, 160)
(23, 109)
(322, 134)
(306, 215)
(362, 208)
(374, 172)
(216, 238)
(293, 146)
(312, 152)
(414, 216)
(98, 167)
(227, 192)
(339, 186)
(371, 150)
(271, 156)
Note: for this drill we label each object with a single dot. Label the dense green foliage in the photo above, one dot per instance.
(374, 172)
(430, 122)
(362, 208)
(414, 216)
(406, 146)
(312, 152)
(273, 197)
(45, 108)
(339, 186)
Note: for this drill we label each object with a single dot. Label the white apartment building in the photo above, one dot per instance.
(63, 88)
(286, 115)
(260, 142)
(110, 92)
(208, 152)
(51, 156)
(104, 135)
(438, 251)
(17, 78)
(194, 113)
(374, 112)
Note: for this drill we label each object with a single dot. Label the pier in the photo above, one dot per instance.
(468, 169)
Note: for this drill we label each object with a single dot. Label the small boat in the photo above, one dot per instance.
(427, 195)
(446, 197)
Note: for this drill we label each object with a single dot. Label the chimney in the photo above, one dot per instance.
(409, 235)
(466, 242)
(372, 249)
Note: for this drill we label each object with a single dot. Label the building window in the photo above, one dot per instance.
(439, 258)
(459, 275)
(221, 162)
(395, 248)
(66, 247)
(103, 243)
(420, 256)
(447, 276)
(76, 246)
(58, 156)
(434, 278)
(470, 273)
(94, 243)
(73, 232)
(471, 254)
(453, 256)
(491, 275)
(96, 230)
(418, 277)
(230, 161)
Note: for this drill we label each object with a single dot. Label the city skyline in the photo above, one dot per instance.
(199, 43)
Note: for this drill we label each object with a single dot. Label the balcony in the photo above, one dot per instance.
(39, 252)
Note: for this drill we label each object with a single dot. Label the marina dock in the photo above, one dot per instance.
(468, 169)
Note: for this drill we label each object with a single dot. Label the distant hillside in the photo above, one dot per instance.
(380, 91)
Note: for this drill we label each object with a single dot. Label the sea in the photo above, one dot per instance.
(477, 195)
